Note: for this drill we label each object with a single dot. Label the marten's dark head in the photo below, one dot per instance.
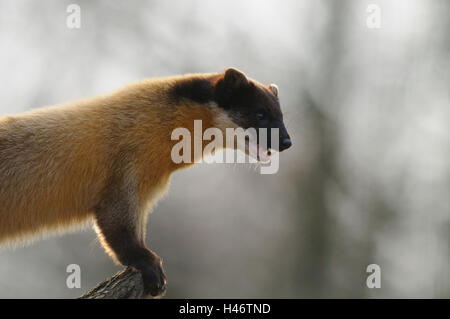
(245, 102)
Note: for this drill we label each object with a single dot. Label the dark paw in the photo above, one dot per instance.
(155, 281)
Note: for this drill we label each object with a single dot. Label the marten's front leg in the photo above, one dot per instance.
(117, 222)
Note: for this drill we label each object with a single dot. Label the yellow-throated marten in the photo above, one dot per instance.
(108, 158)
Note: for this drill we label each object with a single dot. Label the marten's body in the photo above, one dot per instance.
(107, 158)
(58, 163)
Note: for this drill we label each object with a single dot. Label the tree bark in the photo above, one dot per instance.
(126, 284)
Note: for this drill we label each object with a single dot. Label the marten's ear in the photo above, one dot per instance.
(274, 89)
(234, 78)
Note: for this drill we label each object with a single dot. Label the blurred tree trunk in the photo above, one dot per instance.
(318, 223)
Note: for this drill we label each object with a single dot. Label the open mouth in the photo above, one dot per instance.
(254, 150)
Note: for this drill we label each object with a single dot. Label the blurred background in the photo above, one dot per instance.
(366, 181)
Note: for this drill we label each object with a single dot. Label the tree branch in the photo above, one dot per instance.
(126, 284)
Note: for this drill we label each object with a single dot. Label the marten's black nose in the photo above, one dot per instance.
(285, 143)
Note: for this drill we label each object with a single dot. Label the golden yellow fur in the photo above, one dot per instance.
(56, 162)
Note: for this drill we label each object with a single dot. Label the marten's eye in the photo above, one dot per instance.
(260, 115)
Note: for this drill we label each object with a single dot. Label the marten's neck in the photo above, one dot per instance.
(157, 110)
(196, 111)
